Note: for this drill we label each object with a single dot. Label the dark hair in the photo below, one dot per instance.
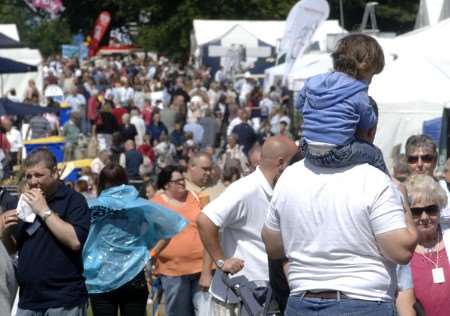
(143, 190)
(40, 155)
(165, 175)
(357, 55)
(82, 185)
(111, 175)
(416, 141)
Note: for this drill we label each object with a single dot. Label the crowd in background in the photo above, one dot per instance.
(181, 136)
(148, 114)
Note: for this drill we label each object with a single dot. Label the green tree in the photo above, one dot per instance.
(170, 24)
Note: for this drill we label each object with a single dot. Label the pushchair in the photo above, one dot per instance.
(255, 297)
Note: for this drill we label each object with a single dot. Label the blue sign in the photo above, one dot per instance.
(72, 51)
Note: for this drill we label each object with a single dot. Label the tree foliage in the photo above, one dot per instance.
(170, 23)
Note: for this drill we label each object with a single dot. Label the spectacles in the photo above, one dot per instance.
(178, 181)
(424, 158)
(431, 210)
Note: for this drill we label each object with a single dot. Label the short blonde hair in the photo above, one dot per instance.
(422, 187)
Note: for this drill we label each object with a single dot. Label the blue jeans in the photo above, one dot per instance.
(183, 295)
(303, 306)
(354, 153)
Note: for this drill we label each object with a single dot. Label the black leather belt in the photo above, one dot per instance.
(325, 295)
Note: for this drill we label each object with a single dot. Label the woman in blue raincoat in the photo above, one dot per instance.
(123, 229)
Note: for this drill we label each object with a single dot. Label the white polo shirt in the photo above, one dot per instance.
(328, 219)
(240, 212)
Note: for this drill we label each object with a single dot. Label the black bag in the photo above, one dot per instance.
(255, 296)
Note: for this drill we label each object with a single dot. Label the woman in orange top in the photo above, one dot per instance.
(181, 264)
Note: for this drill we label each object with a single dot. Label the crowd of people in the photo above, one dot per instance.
(197, 189)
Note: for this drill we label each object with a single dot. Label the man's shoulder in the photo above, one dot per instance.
(74, 198)
(353, 175)
(245, 186)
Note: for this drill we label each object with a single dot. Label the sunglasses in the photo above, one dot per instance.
(431, 210)
(424, 158)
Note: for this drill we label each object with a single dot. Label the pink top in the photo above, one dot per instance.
(433, 296)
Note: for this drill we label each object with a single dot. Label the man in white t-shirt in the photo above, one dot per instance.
(240, 212)
(342, 231)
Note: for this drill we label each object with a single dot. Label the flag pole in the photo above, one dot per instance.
(341, 13)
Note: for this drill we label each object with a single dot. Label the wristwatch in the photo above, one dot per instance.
(220, 263)
(47, 213)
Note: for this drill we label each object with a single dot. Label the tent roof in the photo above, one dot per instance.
(8, 42)
(269, 32)
(23, 55)
(428, 81)
(10, 30)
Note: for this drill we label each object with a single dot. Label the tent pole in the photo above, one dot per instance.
(341, 13)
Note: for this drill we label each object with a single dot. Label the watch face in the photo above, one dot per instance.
(220, 263)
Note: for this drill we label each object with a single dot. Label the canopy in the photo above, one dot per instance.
(8, 42)
(32, 57)
(9, 66)
(8, 107)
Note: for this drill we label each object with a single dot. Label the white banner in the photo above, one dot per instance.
(301, 24)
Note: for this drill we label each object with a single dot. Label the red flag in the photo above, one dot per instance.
(101, 26)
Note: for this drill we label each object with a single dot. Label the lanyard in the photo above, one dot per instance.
(436, 264)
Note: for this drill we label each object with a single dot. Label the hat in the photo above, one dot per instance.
(247, 75)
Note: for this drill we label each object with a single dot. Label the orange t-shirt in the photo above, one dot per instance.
(184, 254)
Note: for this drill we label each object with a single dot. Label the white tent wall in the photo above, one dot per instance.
(20, 81)
(23, 55)
(398, 121)
(410, 90)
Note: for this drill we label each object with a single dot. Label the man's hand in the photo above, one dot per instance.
(36, 199)
(7, 220)
(233, 265)
(205, 281)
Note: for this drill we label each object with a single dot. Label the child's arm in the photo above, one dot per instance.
(301, 100)
(367, 116)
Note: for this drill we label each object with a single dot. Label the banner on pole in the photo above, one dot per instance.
(301, 24)
(101, 26)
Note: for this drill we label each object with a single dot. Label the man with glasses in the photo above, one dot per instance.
(50, 263)
(199, 179)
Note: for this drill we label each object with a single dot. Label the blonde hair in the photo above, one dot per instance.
(422, 187)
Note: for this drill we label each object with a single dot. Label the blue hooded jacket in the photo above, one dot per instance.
(334, 105)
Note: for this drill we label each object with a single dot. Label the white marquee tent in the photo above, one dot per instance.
(23, 55)
(415, 86)
(268, 32)
(431, 12)
(409, 91)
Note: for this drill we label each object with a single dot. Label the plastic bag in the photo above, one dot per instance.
(123, 229)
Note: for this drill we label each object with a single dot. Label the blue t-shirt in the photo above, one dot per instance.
(334, 105)
(50, 274)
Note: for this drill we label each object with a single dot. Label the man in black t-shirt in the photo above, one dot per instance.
(50, 265)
